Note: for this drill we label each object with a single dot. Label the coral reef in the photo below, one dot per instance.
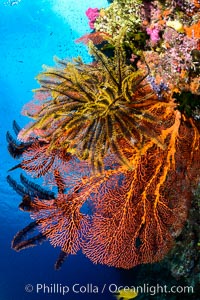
(118, 138)
(113, 18)
(165, 32)
(184, 259)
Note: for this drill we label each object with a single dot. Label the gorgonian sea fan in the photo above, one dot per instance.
(105, 116)
(89, 108)
(134, 214)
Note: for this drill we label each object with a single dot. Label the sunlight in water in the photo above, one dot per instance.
(77, 10)
(12, 2)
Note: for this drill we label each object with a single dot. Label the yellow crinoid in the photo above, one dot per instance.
(91, 110)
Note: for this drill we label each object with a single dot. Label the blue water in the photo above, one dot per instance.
(31, 33)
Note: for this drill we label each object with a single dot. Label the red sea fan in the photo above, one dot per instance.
(96, 37)
(61, 221)
(135, 214)
(145, 151)
(139, 213)
(38, 159)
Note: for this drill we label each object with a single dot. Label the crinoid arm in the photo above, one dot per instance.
(18, 166)
(36, 189)
(20, 189)
(29, 188)
(21, 240)
(16, 127)
(61, 259)
(15, 148)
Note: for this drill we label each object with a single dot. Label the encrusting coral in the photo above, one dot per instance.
(165, 32)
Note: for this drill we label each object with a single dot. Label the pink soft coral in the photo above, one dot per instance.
(92, 14)
(154, 34)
